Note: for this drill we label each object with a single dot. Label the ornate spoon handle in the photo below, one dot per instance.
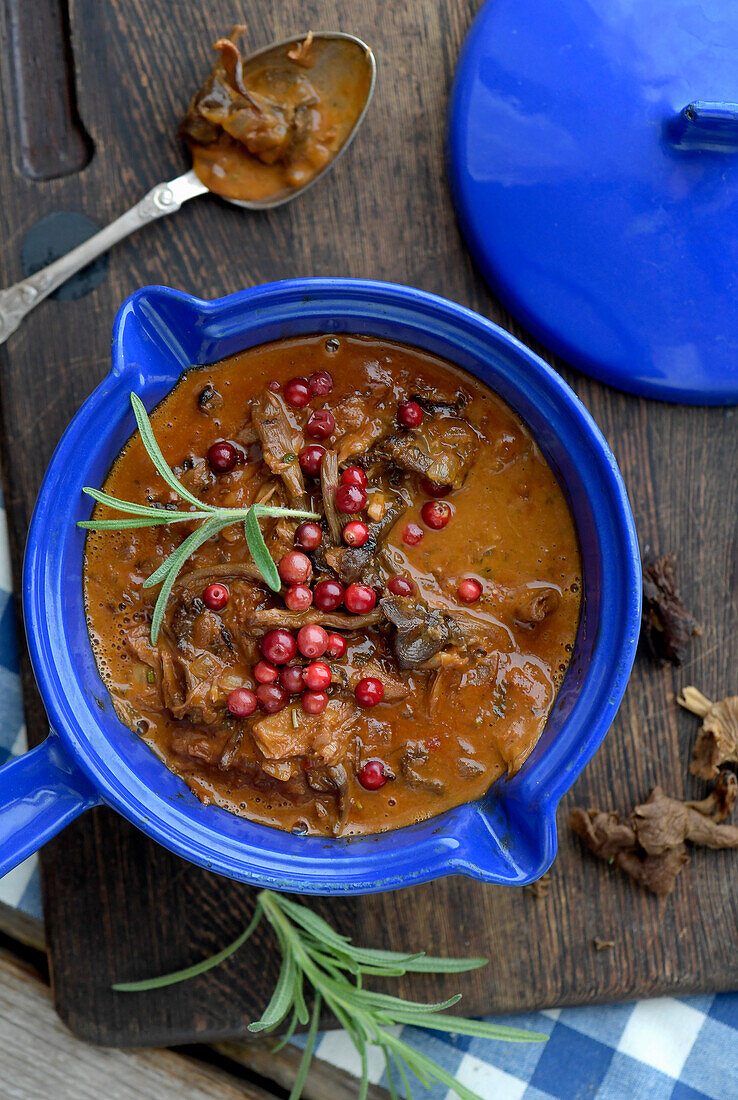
(165, 198)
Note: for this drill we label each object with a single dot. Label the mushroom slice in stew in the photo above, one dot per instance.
(441, 450)
(421, 631)
(281, 442)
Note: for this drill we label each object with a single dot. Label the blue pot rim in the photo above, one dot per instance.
(454, 842)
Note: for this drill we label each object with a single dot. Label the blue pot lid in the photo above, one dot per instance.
(593, 163)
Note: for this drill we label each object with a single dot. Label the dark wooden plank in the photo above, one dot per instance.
(116, 905)
(43, 1059)
(51, 139)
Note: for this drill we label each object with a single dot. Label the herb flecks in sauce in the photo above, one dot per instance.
(445, 695)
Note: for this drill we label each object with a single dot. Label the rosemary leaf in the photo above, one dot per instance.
(258, 550)
(403, 1075)
(459, 1025)
(301, 1010)
(379, 971)
(197, 968)
(429, 964)
(128, 524)
(314, 952)
(393, 1006)
(290, 513)
(426, 1070)
(288, 1033)
(154, 452)
(283, 995)
(339, 963)
(364, 1074)
(215, 520)
(350, 1024)
(314, 924)
(410, 1060)
(394, 1095)
(131, 506)
(419, 963)
(179, 556)
(307, 1056)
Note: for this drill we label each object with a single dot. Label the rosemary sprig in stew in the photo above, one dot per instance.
(313, 953)
(212, 521)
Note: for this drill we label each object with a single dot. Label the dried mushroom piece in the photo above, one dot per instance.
(270, 126)
(721, 800)
(717, 741)
(651, 845)
(209, 400)
(541, 888)
(413, 756)
(303, 54)
(666, 625)
(361, 564)
(664, 823)
(273, 618)
(329, 482)
(441, 450)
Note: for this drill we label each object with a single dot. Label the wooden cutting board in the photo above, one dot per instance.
(119, 907)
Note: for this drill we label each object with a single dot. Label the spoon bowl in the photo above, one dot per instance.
(508, 836)
(342, 71)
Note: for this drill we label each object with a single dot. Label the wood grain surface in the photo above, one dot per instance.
(117, 906)
(43, 1059)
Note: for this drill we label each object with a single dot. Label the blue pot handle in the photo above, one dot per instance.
(40, 793)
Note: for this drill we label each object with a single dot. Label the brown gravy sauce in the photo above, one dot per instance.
(452, 731)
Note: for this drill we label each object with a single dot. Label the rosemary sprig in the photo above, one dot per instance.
(314, 954)
(212, 521)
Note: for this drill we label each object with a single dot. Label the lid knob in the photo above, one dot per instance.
(701, 125)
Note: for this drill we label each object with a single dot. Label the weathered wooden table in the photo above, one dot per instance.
(41, 1057)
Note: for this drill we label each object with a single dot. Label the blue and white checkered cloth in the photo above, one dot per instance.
(19, 889)
(682, 1048)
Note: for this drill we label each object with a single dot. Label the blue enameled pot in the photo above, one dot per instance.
(90, 757)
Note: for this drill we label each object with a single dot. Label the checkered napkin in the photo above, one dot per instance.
(683, 1049)
(20, 888)
(668, 1049)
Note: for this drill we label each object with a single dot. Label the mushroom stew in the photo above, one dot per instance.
(425, 615)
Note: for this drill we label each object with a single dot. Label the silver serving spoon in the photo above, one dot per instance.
(166, 198)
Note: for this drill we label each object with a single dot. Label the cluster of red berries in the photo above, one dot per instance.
(299, 392)
(275, 685)
(278, 679)
(351, 496)
(296, 569)
(434, 514)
